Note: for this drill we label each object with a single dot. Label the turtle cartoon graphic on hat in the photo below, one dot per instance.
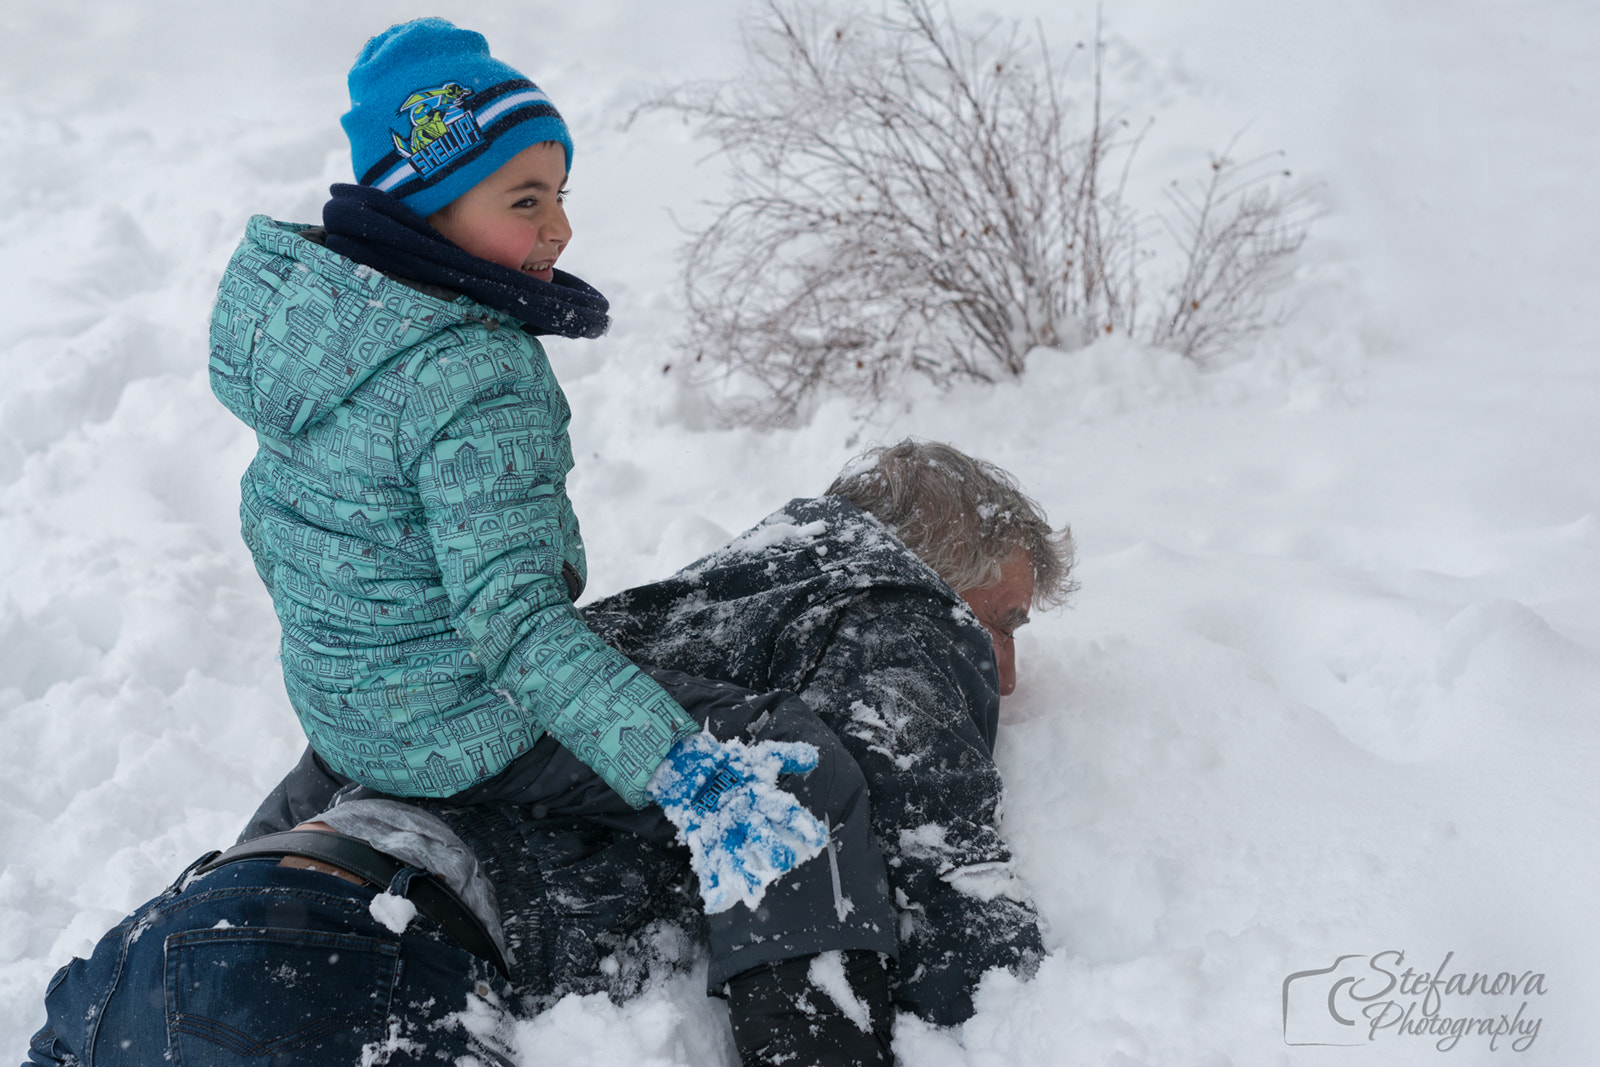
(441, 126)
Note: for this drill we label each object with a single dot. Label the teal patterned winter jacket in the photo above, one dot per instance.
(407, 508)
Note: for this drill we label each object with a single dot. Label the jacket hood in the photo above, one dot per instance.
(781, 588)
(297, 328)
(828, 536)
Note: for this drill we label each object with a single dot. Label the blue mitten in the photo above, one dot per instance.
(743, 832)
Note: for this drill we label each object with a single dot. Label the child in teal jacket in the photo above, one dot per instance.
(407, 507)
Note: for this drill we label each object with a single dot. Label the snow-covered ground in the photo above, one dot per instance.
(1332, 684)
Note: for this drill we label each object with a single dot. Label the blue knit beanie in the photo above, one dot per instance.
(432, 114)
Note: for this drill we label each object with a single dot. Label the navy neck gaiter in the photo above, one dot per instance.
(374, 228)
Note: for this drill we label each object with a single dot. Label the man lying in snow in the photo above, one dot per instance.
(889, 605)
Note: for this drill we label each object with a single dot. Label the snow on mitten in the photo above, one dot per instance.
(743, 831)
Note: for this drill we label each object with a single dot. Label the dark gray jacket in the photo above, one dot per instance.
(820, 599)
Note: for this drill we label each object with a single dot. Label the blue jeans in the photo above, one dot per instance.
(260, 964)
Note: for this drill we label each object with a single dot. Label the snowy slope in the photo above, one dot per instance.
(1331, 687)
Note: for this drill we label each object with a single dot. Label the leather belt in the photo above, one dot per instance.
(432, 897)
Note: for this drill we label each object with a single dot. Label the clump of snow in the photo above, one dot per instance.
(393, 911)
(987, 881)
(378, 1052)
(826, 972)
(776, 533)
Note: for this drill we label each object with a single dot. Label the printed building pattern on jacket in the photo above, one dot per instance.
(407, 509)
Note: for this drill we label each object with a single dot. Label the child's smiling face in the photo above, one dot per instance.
(514, 217)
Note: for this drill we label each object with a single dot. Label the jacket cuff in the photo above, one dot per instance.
(641, 726)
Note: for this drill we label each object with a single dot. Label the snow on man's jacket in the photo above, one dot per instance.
(407, 508)
(822, 600)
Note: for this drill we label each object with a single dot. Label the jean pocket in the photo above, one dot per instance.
(270, 996)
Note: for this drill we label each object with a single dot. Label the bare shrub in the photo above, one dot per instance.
(913, 197)
(1236, 232)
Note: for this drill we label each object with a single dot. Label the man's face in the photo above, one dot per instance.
(514, 217)
(1002, 606)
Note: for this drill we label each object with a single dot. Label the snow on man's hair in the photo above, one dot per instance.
(962, 516)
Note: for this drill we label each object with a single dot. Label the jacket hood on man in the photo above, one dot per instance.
(298, 335)
(762, 610)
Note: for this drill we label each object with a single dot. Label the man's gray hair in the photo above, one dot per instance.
(962, 516)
